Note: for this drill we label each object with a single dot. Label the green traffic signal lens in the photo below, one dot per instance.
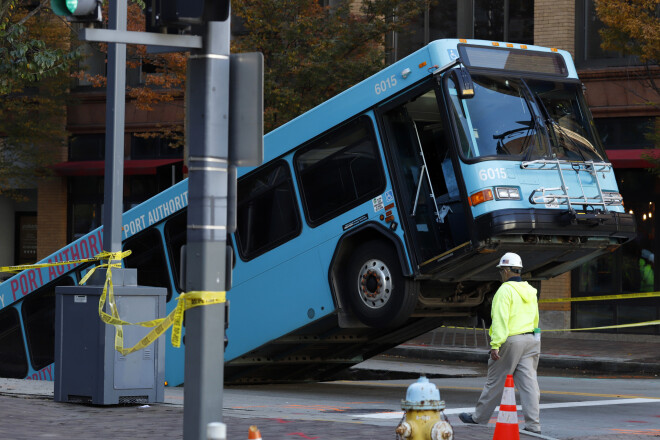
(71, 5)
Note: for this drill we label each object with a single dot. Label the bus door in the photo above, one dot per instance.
(425, 183)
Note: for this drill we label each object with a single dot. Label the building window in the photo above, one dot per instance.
(339, 171)
(498, 20)
(630, 269)
(154, 148)
(92, 147)
(25, 243)
(267, 213)
(87, 147)
(435, 23)
(588, 52)
(504, 20)
(625, 133)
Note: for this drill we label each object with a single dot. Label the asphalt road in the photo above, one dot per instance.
(573, 407)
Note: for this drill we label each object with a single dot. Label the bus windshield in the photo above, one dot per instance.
(523, 119)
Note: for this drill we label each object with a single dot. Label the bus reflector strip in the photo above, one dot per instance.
(481, 197)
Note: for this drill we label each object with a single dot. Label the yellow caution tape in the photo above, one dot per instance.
(635, 324)
(174, 319)
(186, 301)
(602, 298)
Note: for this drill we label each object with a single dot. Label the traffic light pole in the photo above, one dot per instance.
(211, 180)
(114, 136)
(207, 132)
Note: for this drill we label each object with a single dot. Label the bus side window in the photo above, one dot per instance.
(175, 237)
(450, 179)
(13, 360)
(148, 257)
(267, 214)
(339, 171)
(38, 312)
(435, 150)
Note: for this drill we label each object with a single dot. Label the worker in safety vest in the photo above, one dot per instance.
(514, 349)
(646, 271)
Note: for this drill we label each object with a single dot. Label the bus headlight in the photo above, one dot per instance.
(507, 193)
(612, 198)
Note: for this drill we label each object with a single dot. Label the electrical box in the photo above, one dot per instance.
(88, 369)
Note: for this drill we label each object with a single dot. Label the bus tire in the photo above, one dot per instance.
(378, 293)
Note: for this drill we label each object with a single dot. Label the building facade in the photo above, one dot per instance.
(70, 203)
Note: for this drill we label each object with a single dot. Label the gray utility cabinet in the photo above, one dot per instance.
(88, 369)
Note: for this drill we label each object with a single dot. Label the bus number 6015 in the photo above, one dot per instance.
(385, 84)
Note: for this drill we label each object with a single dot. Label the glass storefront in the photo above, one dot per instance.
(629, 269)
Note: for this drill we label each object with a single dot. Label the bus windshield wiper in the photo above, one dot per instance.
(556, 127)
(535, 118)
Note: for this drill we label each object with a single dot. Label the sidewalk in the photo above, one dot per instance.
(30, 413)
(596, 353)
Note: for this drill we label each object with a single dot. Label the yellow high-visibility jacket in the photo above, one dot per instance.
(515, 310)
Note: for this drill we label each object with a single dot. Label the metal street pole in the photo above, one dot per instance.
(114, 135)
(207, 139)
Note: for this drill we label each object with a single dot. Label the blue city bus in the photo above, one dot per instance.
(376, 216)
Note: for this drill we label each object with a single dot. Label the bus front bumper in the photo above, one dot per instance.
(554, 222)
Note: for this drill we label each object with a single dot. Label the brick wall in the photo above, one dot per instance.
(51, 216)
(554, 24)
(557, 287)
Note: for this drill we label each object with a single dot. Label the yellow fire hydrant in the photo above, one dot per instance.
(423, 418)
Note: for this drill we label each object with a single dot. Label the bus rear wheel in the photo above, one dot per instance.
(378, 293)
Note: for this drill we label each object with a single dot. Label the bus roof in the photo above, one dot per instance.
(375, 89)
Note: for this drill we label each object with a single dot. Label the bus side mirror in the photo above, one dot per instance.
(463, 82)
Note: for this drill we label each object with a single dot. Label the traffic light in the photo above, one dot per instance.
(184, 13)
(78, 10)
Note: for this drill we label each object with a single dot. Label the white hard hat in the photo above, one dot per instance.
(648, 255)
(510, 260)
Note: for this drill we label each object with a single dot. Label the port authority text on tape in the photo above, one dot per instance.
(16, 269)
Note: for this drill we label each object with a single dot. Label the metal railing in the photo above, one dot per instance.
(455, 336)
(546, 196)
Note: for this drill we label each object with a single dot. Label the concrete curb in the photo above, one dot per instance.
(595, 364)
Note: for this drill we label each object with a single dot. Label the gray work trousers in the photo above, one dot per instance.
(519, 356)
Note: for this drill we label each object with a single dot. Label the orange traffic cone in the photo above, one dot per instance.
(253, 433)
(507, 418)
